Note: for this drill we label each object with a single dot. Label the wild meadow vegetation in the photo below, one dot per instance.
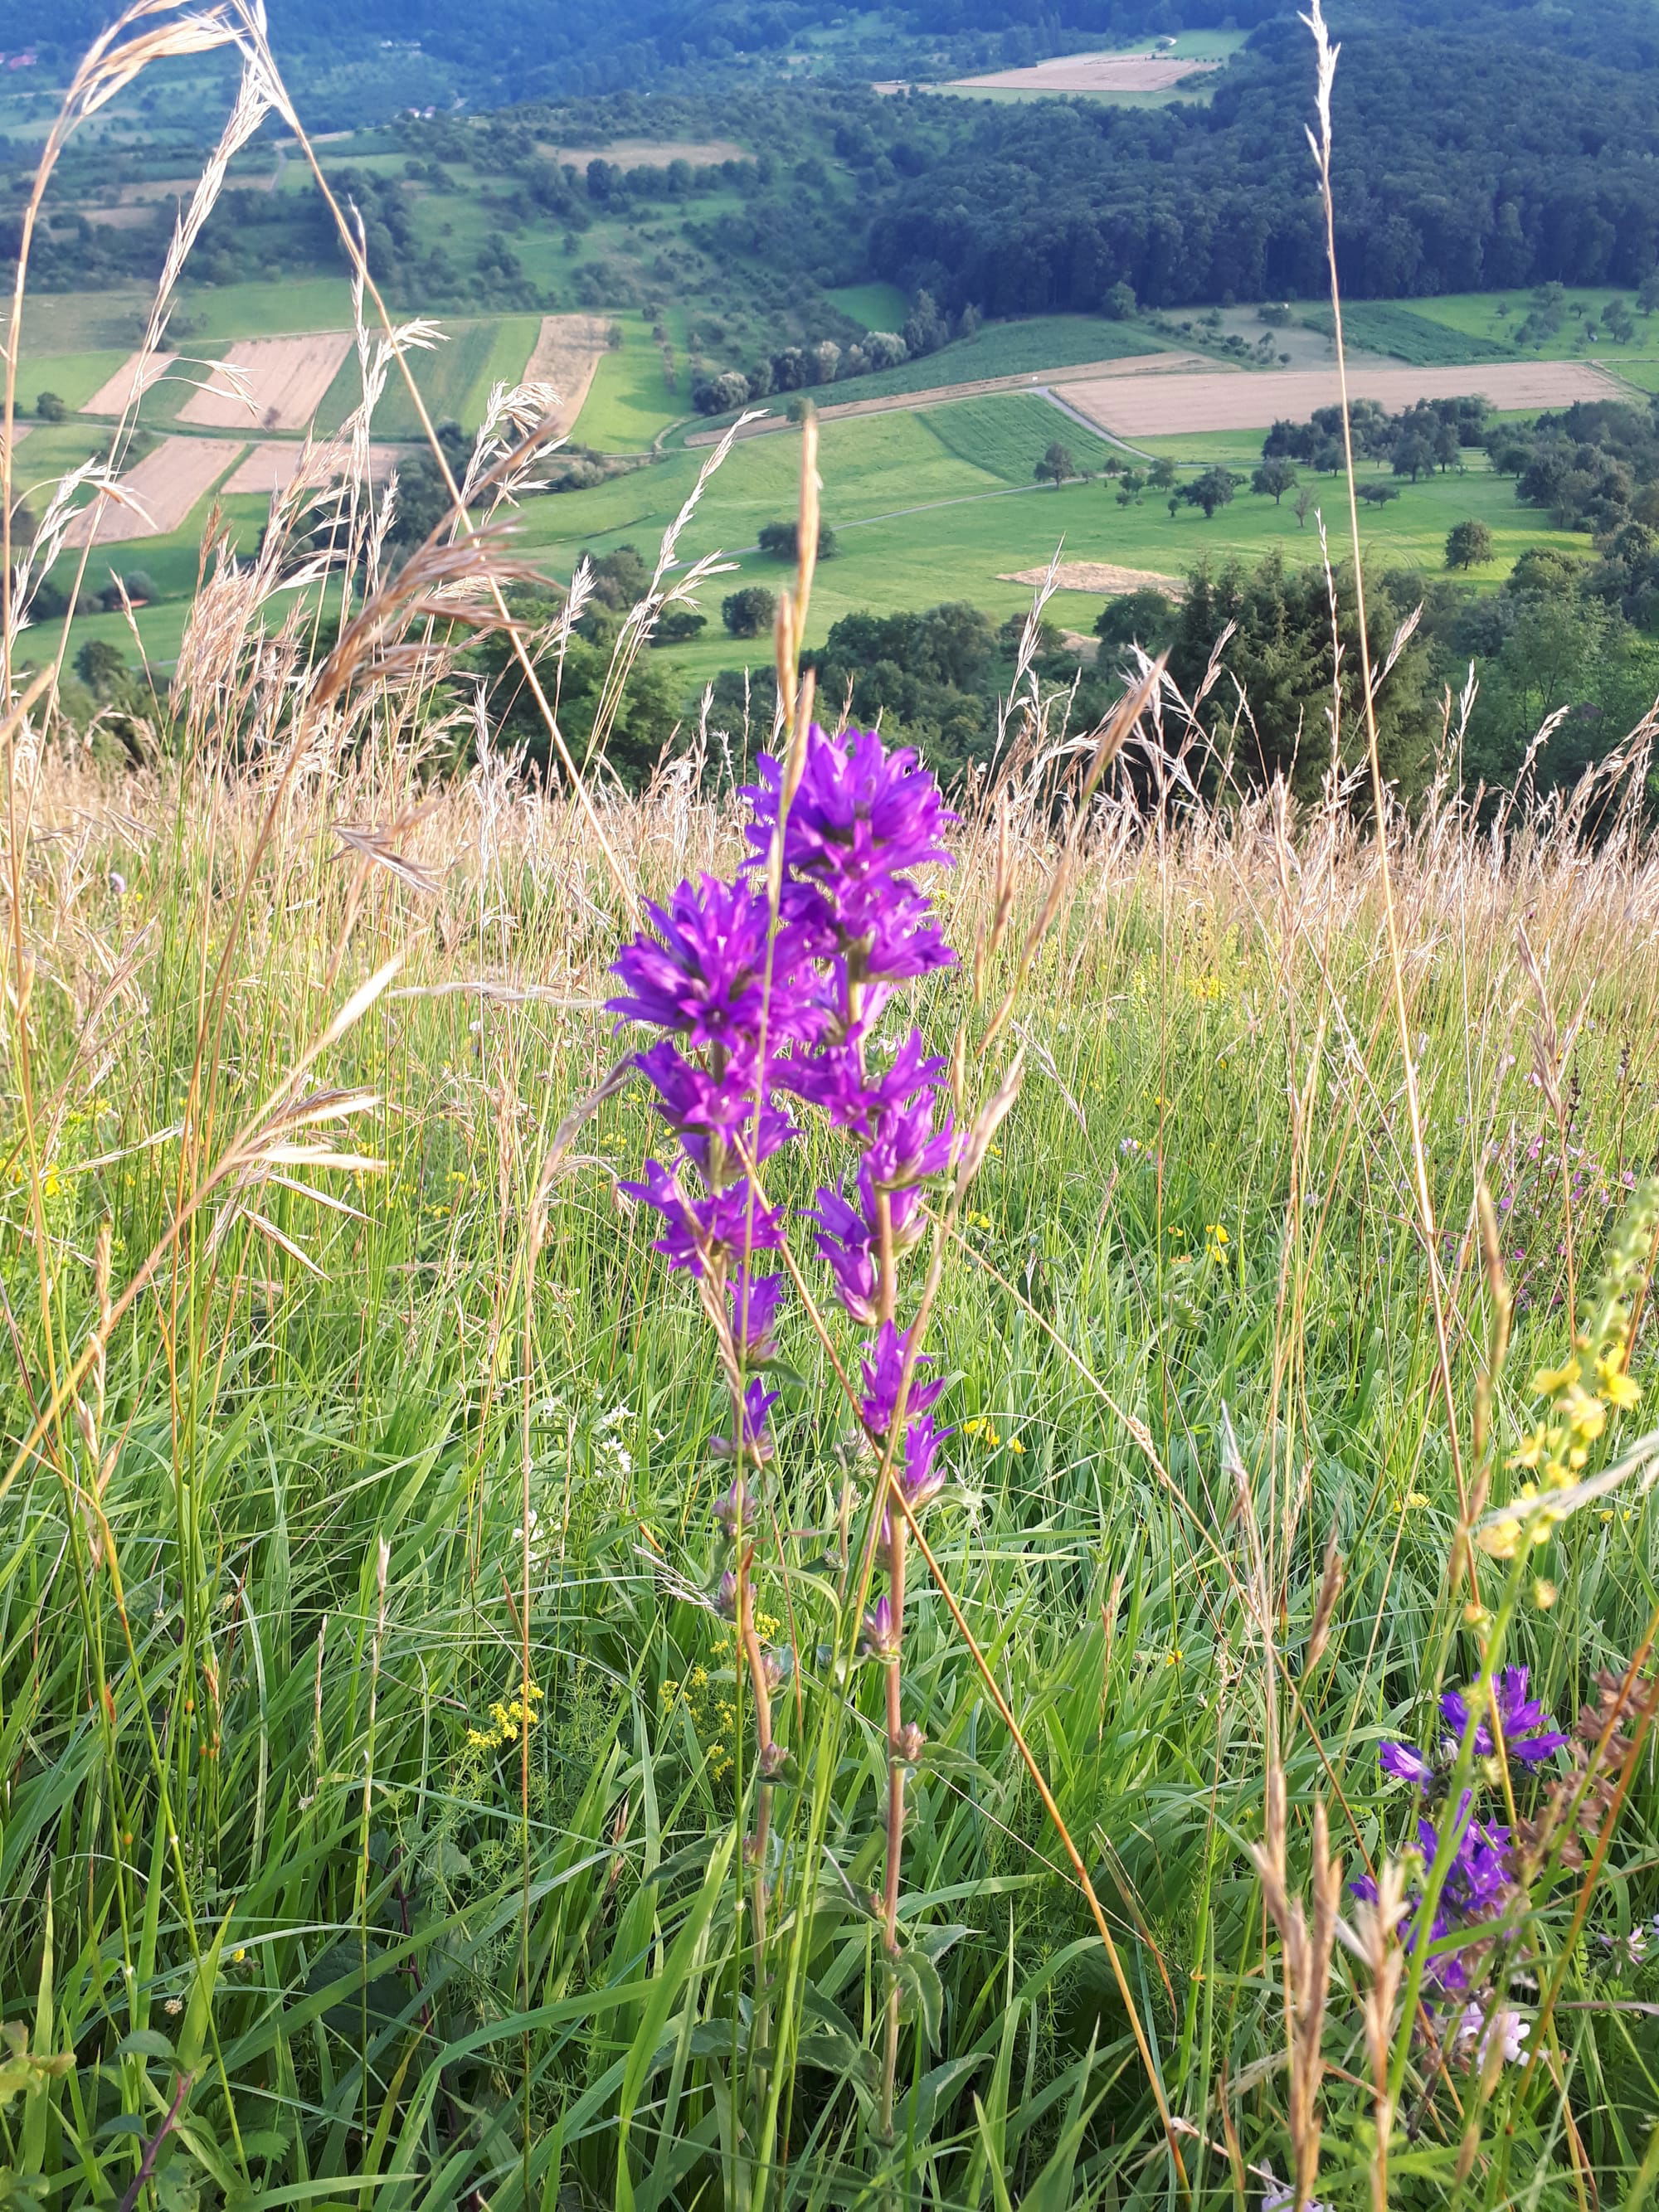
(790, 1489)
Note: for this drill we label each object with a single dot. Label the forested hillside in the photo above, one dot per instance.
(1478, 148)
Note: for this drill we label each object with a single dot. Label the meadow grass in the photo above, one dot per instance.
(629, 403)
(878, 306)
(376, 1761)
(1476, 314)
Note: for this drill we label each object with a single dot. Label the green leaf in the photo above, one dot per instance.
(922, 1993)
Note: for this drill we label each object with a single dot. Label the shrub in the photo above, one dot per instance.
(782, 541)
(749, 612)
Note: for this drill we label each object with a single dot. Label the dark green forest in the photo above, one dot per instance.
(1493, 148)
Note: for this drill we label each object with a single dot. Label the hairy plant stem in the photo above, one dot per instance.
(760, 1690)
(894, 1824)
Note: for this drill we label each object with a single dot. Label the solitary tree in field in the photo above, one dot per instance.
(1378, 494)
(782, 541)
(1304, 505)
(1618, 322)
(749, 612)
(1055, 466)
(1163, 475)
(50, 408)
(1275, 478)
(1468, 544)
(1215, 489)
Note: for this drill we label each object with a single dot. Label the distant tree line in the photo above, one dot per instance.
(1431, 434)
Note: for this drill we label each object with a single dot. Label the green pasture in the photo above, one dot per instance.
(263, 307)
(938, 504)
(629, 403)
(878, 306)
(113, 318)
(919, 521)
(73, 376)
(1008, 433)
(1386, 326)
(1640, 369)
(454, 379)
(1027, 348)
(1476, 314)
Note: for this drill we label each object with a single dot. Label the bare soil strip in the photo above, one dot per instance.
(1103, 576)
(268, 469)
(1091, 73)
(1164, 406)
(568, 351)
(165, 485)
(940, 395)
(157, 188)
(113, 396)
(284, 380)
(652, 153)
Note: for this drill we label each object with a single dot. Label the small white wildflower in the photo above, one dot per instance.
(1279, 2197)
(1476, 2035)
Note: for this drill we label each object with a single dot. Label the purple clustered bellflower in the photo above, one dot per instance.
(1479, 1878)
(758, 1016)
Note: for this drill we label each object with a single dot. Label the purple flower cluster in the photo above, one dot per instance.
(1530, 1735)
(1471, 1897)
(757, 1015)
(1479, 1876)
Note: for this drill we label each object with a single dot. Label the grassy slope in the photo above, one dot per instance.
(972, 527)
(630, 402)
(878, 306)
(920, 519)
(73, 376)
(1009, 433)
(361, 1415)
(1475, 314)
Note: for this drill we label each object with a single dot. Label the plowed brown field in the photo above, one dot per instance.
(568, 351)
(1090, 73)
(268, 469)
(164, 486)
(114, 395)
(1164, 406)
(283, 380)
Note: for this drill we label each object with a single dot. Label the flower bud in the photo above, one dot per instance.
(881, 1631)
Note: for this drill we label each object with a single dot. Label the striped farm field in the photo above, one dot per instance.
(270, 384)
(1158, 406)
(158, 492)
